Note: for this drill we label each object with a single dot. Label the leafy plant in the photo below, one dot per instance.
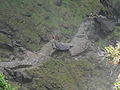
(117, 83)
(3, 84)
(113, 54)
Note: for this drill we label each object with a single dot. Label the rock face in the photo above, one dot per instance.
(80, 41)
(105, 25)
(92, 29)
(113, 7)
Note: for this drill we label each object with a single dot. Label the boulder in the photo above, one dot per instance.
(105, 25)
(61, 46)
(79, 46)
(80, 41)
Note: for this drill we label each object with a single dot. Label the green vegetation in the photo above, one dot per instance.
(113, 54)
(3, 84)
(117, 84)
(116, 32)
(64, 75)
(31, 19)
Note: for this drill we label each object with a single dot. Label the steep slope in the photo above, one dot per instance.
(31, 23)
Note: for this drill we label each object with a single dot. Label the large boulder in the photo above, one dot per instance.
(105, 25)
(60, 46)
(80, 41)
(79, 46)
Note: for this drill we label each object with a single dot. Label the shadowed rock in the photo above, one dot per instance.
(19, 76)
(105, 25)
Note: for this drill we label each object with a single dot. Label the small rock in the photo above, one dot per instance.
(58, 2)
(27, 14)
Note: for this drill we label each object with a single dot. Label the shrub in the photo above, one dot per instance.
(3, 84)
(113, 54)
(117, 83)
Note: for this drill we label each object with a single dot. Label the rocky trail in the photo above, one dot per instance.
(34, 59)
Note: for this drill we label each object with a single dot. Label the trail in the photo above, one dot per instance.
(31, 59)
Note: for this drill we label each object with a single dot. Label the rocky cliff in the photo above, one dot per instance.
(29, 58)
